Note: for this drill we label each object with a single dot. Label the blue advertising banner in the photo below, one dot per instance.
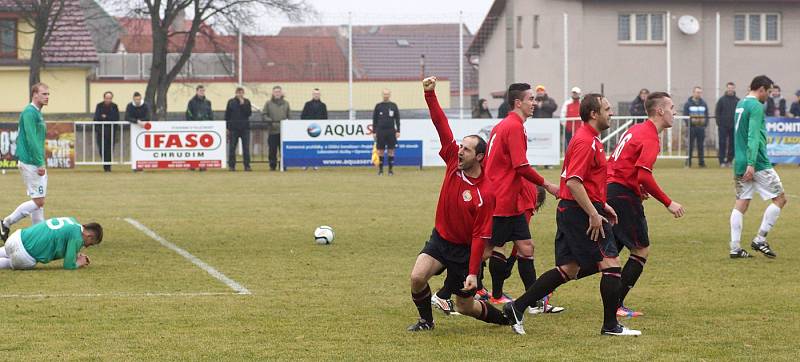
(783, 140)
(345, 153)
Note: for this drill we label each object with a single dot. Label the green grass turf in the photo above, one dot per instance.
(351, 300)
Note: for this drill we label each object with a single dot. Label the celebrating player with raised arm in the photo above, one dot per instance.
(30, 153)
(584, 240)
(753, 170)
(57, 238)
(463, 221)
(630, 172)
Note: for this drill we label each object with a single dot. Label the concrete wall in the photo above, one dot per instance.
(68, 89)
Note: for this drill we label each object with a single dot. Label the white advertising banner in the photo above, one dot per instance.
(349, 142)
(169, 145)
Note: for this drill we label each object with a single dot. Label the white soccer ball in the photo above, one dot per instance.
(324, 235)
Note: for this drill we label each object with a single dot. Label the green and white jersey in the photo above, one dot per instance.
(31, 136)
(53, 239)
(750, 138)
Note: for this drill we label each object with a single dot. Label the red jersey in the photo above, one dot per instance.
(464, 211)
(528, 198)
(507, 150)
(573, 111)
(585, 160)
(638, 147)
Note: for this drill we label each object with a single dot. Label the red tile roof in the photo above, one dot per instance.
(292, 58)
(137, 37)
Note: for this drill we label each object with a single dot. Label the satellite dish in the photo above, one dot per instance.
(688, 25)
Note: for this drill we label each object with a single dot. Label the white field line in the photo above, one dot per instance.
(238, 288)
(113, 295)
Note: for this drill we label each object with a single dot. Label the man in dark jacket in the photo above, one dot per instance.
(137, 110)
(637, 106)
(697, 110)
(724, 113)
(237, 120)
(502, 111)
(776, 105)
(795, 110)
(386, 130)
(315, 108)
(199, 107)
(545, 106)
(106, 111)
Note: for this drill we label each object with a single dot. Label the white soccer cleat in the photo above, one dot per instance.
(620, 330)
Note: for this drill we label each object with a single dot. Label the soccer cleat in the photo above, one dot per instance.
(544, 306)
(3, 230)
(445, 305)
(421, 325)
(482, 294)
(514, 318)
(620, 330)
(626, 312)
(380, 173)
(763, 247)
(505, 298)
(391, 173)
(740, 254)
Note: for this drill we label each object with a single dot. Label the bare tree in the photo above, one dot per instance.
(225, 15)
(44, 17)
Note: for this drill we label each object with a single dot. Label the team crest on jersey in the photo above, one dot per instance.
(467, 196)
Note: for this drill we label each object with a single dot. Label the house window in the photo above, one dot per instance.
(763, 28)
(640, 28)
(8, 38)
(519, 32)
(536, 31)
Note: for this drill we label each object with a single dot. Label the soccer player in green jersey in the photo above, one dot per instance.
(30, 156)
(753, 170)
(57, 238)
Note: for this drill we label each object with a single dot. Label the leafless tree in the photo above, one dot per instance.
(43, 17)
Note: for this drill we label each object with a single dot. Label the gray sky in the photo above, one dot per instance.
(376, 12)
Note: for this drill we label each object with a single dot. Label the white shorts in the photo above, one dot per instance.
(766, 182)
(20, 259)
(35, 185)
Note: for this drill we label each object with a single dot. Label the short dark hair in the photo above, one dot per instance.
(96, 229)
(761, 81)
(277, 87)
(481, 146)
(590, 103)
(515, 91)
(239, 89)
(108, 92)
(137, 94)
(316, 89)
(199, 87)
(730, 83)
(775, 86)
(35, 88)
(644, 90)
(654, 99)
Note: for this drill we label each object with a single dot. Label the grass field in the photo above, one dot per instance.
(141, 301)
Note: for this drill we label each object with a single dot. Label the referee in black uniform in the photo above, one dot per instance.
(386, 129)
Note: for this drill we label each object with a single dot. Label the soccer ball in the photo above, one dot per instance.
(324, 235)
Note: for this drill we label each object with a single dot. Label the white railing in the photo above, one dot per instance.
(89, 142)
(137, 66)
(673, 140)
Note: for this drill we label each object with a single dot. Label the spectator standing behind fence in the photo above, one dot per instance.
(386, 130)
(697, 110)
(571, 109)
(199, 107)
(502, 111)
(795, 110)
(137, 110)
(724, 113)
(237, 120)
(545, 106)
(776, 104)
(637, 106)
(481, 110)
(315, 108)
(104, 134)
(275, 110)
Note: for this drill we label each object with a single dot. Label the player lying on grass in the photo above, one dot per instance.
(463, 221)
(630, 177)
(57, 238)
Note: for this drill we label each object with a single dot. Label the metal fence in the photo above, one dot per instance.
(92, 137)
(137, 66)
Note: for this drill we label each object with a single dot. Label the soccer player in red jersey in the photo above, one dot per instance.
(630, 179)
(463, 221)
(506, 168)
(584, 240)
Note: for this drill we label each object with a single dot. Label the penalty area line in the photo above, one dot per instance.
(238, 288)
(114, 295)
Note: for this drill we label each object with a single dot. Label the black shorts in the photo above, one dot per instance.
(509, 228)
(455, 258)
(573, 244)
(385, 139)
(631, 230)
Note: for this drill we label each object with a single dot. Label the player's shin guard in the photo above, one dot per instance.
(736, 229)
(497, 267)
(37, 216)
(23, 210)
(527, 272)
(609, 292)
(423, 302)
(444, 293)
(480, 275)
(491, 314)
(771, 215)
(391, 162)
(630, 274)
(546, 284)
